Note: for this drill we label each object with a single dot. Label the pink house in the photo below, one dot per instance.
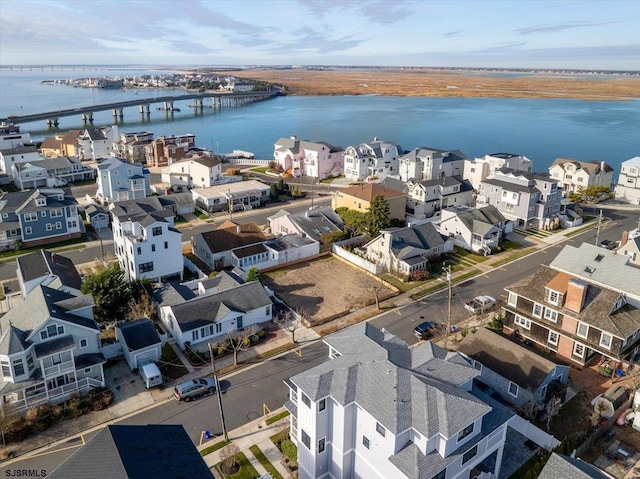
(301, 157)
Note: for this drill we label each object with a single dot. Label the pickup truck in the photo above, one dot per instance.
(480, 304)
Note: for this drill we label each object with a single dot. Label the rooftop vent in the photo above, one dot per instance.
(590, 269)
(599, 258)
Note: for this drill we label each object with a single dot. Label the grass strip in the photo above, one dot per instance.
(262, 459)
(512, 257)
(443, 284)
(213, 447)
(277, 417)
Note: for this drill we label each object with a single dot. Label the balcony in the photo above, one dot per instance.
(56, 369)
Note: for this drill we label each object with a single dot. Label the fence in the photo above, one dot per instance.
(245, 161)
(534, 433)
(599, 432)
(193, 268)
(359, 261)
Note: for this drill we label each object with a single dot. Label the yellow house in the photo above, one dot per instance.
(359, 198)
(60, 145)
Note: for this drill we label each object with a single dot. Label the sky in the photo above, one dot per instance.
(602, 35)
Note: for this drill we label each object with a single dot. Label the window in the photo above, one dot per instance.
(195, 334)
(477, 365)
(306, 440)
(380, 429)
(605, 340)
(553, 338)
(513, 389)
(537, 310)
(441, 475)
(57, 213)
(156, 230)
(139, 250)
(87, 370)
(27, 230)
(365, 441)
(321, 446)
(550, 314)
(52, 331)
(578, 350)
(522, 321)
(513, 299)
(218, 327)
(56, 359)
(58, 225)
(28, 217)
(465, 432)
(18, 367)
(30, 365)
(6, 370)
(145, 267)
(153, 248)
(553, 297)
(166, 245)
(470, 454)
(239, 320)
(322, 405)
(306, 400)
(84, 343)
(49, 227)
(583, 330)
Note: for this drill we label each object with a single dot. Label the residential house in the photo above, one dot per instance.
(427, 197)
(12, 137)
(38, 217)
(235, 86)
(16, 155)
(475, 229)
(214, 247)
(628, 186)
(195, 172)
(146, 242)
(530, 200)
(518, 375)
(48, 269)
(424, 163)
(126, 452)
(585, 303)
(572, 174)
(132, 146)
(96, 143)
(216, 311)
(368, 160)
(359, 198)
(308, 158)
(120, 181)
(166, 150)
(180, 203)
(274, 252)
(630, 246)
(559, 466)
(50, 172)
(140, 341)
(379, 409)
(49, 349)
(63, 144)
(481, 168)
(406, 250)
(240, 196)
(313, 223)
(97, 216)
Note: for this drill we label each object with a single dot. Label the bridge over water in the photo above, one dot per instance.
(218, 100)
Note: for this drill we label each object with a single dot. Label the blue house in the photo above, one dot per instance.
(120, 181)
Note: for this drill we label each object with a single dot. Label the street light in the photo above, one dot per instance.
(219, 394)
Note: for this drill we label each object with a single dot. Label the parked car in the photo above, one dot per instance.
(609, 244)
(427, 330)
(194, 388)
(480, 304)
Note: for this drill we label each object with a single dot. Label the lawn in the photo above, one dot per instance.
(262, 459)
(261, 169)
(201, 215)
(170, 365)
(180, 220)
(213, 448)
(247, 471)
(277, 417)
(476, 258)
(402, 285)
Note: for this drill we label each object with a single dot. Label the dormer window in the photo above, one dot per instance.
(465, 432)
(553, 297)
(583, 330)
(606, 340)
(41, 202)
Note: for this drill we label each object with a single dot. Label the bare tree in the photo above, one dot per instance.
(375, 289)
(229, 454)
(239, 340)
(292, 320)
(552, 409)
(529, 410)
(141, 308)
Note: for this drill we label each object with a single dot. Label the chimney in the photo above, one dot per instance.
(624, 238)
(576, 293)
(238, 229)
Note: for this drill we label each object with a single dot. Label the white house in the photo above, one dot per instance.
(97, 143)
(474, 229)
(308, 158)
(48, 269)
(49, 349)
(274, 252)
(375, 159)
(481, 168)
(572, 174)
(50, 172)
(16, 155)
(12, 137)
(426, 197)
(195, 172)
(146, 242)
(628, 187)
(241, 195)
(424, 163)
(379, 409)
(119, 181)
(217, 309)
(140, 341)
(313, 223)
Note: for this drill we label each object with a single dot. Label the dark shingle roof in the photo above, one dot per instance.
(139, 334)
(226, 236)
(414, 240)
(565, 467)
(41, 263)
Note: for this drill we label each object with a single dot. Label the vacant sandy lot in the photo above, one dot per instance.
(325, 288)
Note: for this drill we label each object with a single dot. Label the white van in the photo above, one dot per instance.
(150, 374)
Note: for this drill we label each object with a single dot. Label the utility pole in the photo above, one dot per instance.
(312, 180)
(230, 205)
(446, 338)
(219, 394)
(598, 231)
(100, 235)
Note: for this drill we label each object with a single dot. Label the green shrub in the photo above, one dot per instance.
(290, 451)
(262, 333)
(18, 430)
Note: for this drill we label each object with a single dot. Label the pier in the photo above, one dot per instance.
(218, 100)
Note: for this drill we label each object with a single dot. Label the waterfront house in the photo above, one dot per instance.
(166, 150)
(478, 169)
(63, 144)
(146, 242)
(359, 198)
(17, 155)
(96, 143)
(313, 223)
(573, 175)
(132, 146)
(214, 247)
(239, 196)
(426, 197)
(379, 409)
(585, 303)
(628, 186)
(194, 172)
(474, 229)
(530, 200)
(376, 159)
(120, 181)
(49, 349)
(403, 251)
(517, 374)
(12, 137)
(424, 163)
(308, 158)
(48, 269)
(38, 217)
(50, 172)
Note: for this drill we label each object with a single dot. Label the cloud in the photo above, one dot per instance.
(551, 28)
(452, 34)
(384, 12)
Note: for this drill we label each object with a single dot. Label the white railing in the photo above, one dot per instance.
(57, 393)
(57, 368)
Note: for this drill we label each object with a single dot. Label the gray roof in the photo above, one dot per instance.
(172, 293)
(210, 308)
(401, 387)
(53, 346)
(565, 467)
(135, 452)
(506, 185)
(223, 280)
(139, 334)
(42, 263)
(295, 145)
(283, 243)
(24, 201)
(19, 150)
(414, 241)
(94, 210)
(318, 221)
(481, 220)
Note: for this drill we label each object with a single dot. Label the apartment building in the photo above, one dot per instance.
(132, 146)
(426, 197)
(166, 150)
(194, 172)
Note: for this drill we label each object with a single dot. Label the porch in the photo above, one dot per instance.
(37, 394)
